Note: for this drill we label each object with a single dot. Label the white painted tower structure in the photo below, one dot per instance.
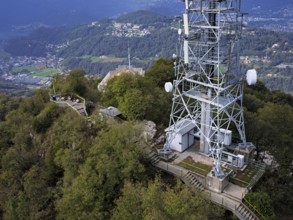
(208, 88)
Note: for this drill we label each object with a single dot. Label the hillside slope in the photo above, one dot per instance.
(101, 46)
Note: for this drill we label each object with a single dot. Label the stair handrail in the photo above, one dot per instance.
(261, 169)
(83, 99)
(71, 106)
(255, 210)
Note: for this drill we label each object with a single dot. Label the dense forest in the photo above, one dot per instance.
(58, 165)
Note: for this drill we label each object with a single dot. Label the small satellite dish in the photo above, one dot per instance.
(245, 24)
(168, 87)
(251, 77)
(179, 31)
(174, 56)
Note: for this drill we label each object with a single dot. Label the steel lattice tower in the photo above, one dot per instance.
(208, 89)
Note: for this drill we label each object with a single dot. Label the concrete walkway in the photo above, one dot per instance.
(79, 107)
(232, 190)
(180, 172)
(227, 200)
(230, 199)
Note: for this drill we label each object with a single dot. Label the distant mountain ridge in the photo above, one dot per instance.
(101, 46)
(265, 4)
(64, 12)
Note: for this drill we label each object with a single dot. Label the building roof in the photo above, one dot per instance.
(182, 127)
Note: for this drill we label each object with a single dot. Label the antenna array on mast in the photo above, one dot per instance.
(208, 89)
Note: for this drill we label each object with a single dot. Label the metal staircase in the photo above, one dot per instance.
(191, 180)
(246, 213)
(154, 158)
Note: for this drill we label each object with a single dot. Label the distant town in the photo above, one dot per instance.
(32, 72)
(129, 30)
(278, 20)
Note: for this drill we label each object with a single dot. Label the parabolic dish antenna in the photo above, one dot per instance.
(251, 77)
(168, 87)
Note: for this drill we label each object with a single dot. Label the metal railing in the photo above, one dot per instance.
(69, 104)
(223, 201)
(261, 170)
(84, 105)
(255, 210)
(173, 169)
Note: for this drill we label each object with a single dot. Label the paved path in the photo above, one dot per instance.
(79, 107)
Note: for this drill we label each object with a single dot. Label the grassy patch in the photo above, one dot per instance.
(22, 68)
(4, 55)
(47, 72)
(104, 59)
(197, 167)
(243, 178)
(96, 59)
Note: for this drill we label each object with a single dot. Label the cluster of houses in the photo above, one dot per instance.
(129, 30)
(22, 70)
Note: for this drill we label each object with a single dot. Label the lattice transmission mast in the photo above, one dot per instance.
(208, 89)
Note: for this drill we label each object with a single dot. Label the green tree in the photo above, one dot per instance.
(67, 146)
(160, 72)
(75, 83)
(128, 92)
(262, 203)
(35, 104)
(115, 158)
(7, 104)
(159, 106)
(160, 201)
(257, 131)
(280, 119)
(46, 118)
(129, 204)
(138, 98)
(38, 194)
(133, 105)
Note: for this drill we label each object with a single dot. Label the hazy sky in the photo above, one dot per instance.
(53, 12)
(58, 12)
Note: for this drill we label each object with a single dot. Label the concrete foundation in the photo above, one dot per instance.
(216, 184)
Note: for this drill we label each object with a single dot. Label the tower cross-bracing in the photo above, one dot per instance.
(208, 88)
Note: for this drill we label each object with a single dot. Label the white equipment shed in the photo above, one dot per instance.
(184, 135)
